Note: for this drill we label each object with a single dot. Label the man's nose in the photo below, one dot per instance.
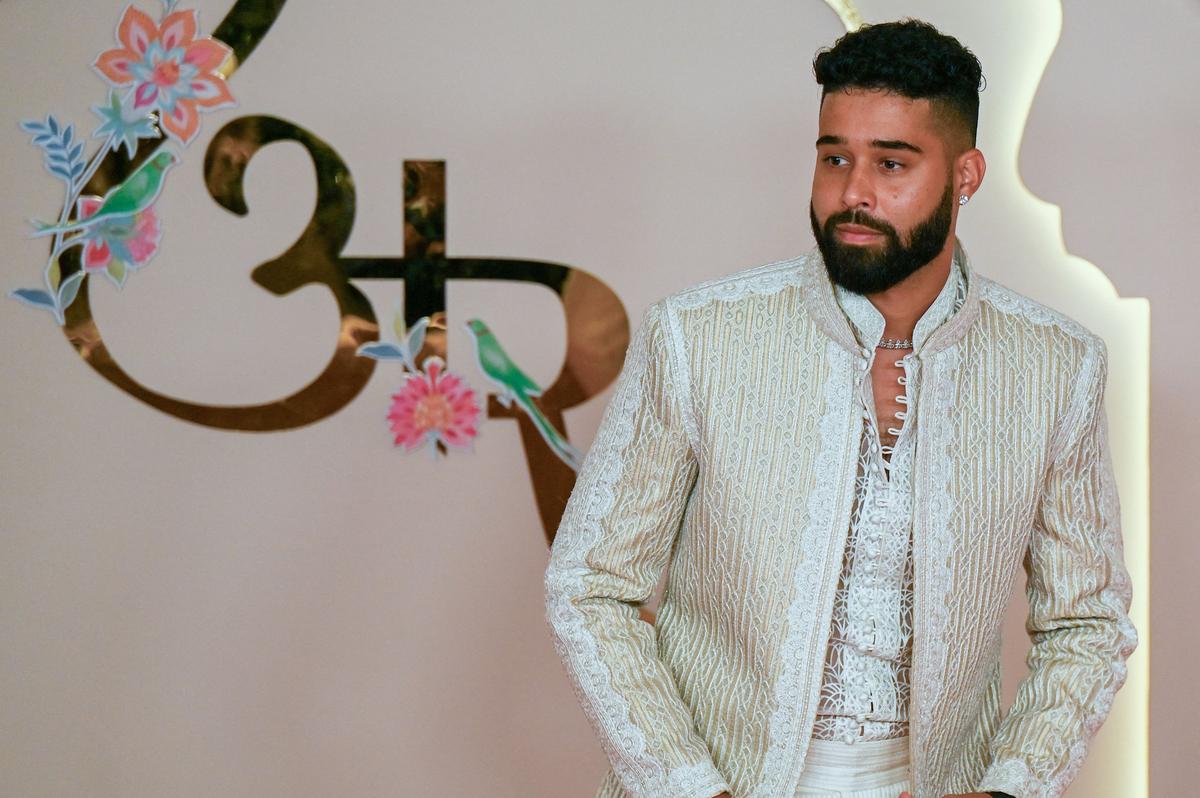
(858, 190)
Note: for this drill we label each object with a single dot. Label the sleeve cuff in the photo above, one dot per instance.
(1011, 777)
(700, 780)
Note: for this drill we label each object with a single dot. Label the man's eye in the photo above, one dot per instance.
(890, 165)
(834, 160)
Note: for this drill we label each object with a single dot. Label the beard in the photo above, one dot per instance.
(869, 270)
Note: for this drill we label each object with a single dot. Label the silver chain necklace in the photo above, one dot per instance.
(894, 343)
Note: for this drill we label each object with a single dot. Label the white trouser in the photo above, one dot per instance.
(875, 769)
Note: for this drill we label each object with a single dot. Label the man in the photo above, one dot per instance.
(841, 461)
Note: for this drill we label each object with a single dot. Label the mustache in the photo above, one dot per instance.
(856, 216)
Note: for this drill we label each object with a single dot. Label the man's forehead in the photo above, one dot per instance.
(865, 115)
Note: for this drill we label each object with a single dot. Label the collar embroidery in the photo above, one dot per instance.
(868, 322)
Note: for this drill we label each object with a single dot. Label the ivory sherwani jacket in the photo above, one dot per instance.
(727, 456)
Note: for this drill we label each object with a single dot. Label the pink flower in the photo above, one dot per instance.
(433, 407)
(172, 72)
(116, 245)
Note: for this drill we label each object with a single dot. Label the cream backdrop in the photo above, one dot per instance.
(190, 612)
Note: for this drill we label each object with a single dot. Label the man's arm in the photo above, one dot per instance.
(1079, 596)
(612, 545)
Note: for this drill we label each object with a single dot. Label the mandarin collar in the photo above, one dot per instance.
(822, 306)
(868, 322)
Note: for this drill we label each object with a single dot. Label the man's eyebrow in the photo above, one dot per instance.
(895, 144)
(879, 144)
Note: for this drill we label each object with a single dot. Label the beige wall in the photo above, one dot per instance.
(189, 612)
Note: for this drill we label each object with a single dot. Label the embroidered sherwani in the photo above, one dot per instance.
(728, 456)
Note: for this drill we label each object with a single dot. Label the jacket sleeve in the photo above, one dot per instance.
(611, 547)
(1079, 596)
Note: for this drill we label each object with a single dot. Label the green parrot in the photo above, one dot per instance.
(135, 194)
(516, 386)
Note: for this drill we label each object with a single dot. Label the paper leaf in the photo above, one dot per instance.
(381, 350)
(416, 339)
(33, 297)
(117, 272)
(69, 289)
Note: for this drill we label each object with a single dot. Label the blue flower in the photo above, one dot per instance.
(123, 126)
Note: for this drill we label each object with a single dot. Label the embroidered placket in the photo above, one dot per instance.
(865, 691)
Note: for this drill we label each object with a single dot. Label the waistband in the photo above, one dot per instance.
(832, 765)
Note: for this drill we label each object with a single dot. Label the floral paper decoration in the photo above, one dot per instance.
(162, 75)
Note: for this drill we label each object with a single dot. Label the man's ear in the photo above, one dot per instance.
(969, 168)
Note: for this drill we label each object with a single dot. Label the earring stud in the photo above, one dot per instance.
(963, 199)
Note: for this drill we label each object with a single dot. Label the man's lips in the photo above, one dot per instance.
(857, 234)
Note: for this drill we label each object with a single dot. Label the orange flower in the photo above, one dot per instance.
(170, 70)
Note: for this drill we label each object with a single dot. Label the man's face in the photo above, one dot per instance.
(882, 199)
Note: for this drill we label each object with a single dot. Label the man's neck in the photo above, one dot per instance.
(903, 304)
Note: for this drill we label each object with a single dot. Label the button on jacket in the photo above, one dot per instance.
(728, 456)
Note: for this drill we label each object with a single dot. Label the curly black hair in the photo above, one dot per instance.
(910, 58)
